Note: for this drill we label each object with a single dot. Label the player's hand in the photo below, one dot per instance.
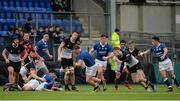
(6, 60)
(59, 59)
(141, 54)
(62, 70)
(105, 58)
(22, 60)
(50, 56)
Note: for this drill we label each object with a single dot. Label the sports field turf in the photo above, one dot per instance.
(85, 93)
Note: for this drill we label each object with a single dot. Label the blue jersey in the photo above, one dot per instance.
(42, 47)
(49, 80)
(58, 72)
(159, 51)
(102, 50)
(86, 57)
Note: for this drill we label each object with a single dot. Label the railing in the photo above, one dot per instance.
(88, 24)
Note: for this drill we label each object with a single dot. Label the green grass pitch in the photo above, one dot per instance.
(85, 93)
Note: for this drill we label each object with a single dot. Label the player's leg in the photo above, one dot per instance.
(72, 79)
(142, 77)
(17, 66)
(170, 70)
(66, 79)
(31, 85)
(116, 81)
(166, 81)
(162, 69)
(90, 77)
(100, 75)
(137, 79)
(11, 74)
(127, 84)
(172, 75)
(118, 71)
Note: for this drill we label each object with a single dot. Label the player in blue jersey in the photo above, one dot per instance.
(103, 52)
(45, 82)
(165, 64)
(91, 67)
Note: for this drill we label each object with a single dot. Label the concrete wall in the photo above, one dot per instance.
(146, 18)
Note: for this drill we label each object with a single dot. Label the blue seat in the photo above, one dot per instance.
(6, 5)
(8, 15)
(66, 22)
(2, 15)
(0, 28)
(30, 4)
(12, 6)
(67, 29)
(48, 5)
(5, 27)
(80, 29)
(48, 9)
(46, 16)
(58, 22)
(21, 22)
(10, 21)
(42, 4)
(12, 3)
(17, 4)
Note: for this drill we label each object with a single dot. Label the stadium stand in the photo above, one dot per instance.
(13, 12)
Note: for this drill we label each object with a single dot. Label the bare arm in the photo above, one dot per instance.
(4, 55)
(91, 51)
(165, 53)
(145, 52)
(25, 55)
(37, 77)
(47, 52)
(79, 63)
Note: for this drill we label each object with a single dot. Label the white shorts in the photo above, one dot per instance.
(103, 63)
(33, 83)
(166, 65)
(91, 71)
(23, 71)
(41, 86)
(117, 67)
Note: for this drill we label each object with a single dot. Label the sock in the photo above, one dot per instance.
(176, 82)
(72, 78)
(116, 83)
(149, 83)
(66, 79)
(166, 81)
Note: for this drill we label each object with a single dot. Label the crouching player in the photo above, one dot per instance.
(91, 67)
(44, 83)
(165, 64)
(126, 60)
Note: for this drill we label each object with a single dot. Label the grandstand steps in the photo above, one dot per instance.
(94, 32)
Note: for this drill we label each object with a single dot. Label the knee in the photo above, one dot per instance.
(88, 79)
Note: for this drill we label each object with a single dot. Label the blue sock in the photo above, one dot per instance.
(166, 81)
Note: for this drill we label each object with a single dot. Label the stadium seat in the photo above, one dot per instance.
(6, 6)
(11, 6)
(66, 22)
(8, 15)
